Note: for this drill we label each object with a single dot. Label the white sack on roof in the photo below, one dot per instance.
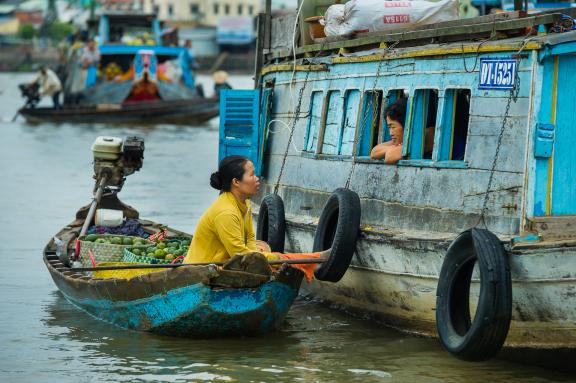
(357, 16)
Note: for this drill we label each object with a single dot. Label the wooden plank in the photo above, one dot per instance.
(439, 31)
(417, 34)
(333, 126)
(282, 32)
(554, 227)
(322, 124)
(267, 24)
(258, 62)
(454, 23)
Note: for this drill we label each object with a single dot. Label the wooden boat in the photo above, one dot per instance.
(498, 184)
(136, 79)
(191, 301)
(187, 111)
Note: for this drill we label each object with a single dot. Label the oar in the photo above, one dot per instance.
(16, 115)
(171, 266)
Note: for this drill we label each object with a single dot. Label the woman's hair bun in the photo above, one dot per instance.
(216, 181)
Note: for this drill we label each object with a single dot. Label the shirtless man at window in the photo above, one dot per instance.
(391, 151)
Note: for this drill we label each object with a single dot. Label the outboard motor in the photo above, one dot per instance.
(31, 92)
(115, 159)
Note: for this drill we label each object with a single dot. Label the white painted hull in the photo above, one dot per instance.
(394, 280)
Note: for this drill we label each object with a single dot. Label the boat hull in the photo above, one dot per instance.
(190, 301)
(173, 112)
(394, 280)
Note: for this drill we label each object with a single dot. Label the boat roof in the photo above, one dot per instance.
(129, 18)
(119, 49)
(499, 32)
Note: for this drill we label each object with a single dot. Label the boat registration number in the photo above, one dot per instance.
(497, 73)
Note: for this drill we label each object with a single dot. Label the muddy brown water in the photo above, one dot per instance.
(45, 175)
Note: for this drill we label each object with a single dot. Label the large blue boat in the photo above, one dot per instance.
(470, 235)
(140, 76)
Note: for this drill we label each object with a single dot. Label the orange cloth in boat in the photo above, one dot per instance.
(224, 230)
(306, 268)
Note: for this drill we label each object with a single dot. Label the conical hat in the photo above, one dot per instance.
(220, 77)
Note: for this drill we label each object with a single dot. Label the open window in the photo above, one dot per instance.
(351, 108)
(330, 135)
(313, 129)
(454, 125)
(370, 124)
(393, 96)
(420, 125)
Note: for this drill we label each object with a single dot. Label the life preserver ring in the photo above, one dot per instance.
(338, 229)
(271, 226)
(480, 338)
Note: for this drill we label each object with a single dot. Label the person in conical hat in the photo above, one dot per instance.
(220, 83)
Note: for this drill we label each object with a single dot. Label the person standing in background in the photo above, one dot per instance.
(50, 85)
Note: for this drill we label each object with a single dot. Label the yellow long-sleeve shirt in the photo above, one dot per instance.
(225, 229)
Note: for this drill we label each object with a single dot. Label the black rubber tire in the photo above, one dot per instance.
(271, 226)
(338, 229)
(481, 338)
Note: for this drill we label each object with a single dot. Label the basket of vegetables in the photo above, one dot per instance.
(107, 247)
(169, 250)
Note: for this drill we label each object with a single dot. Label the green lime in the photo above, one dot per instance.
(161, 245)
(127, 241)
(170, 257)
(91, 237)
(137, 251)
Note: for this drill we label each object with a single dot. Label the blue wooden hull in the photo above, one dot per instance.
(199, 310)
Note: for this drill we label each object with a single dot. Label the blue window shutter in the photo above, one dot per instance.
(369, 116)
(240, 127)
(447, 127)
(414, 137)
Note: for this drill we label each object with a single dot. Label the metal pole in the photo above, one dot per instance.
(268, 25)
(93, 205)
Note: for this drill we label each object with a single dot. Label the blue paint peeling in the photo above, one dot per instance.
(199, 310)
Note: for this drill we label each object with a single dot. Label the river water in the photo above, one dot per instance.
(46, 175)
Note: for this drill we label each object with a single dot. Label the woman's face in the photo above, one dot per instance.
(396, 130)
(249, 185)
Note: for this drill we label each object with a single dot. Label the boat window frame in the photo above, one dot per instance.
(445, 133)
(360, 125)
(384, 134)
(434, 162)
(415, 135)
(345, 96)
(310, 117)
(324, 120)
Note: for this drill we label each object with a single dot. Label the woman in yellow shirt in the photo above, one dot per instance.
(226, 228)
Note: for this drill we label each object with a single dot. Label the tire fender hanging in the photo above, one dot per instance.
(338, 228)
(271, 227)
(479, 338)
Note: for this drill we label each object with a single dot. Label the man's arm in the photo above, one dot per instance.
(379, 151)
(393, 155)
